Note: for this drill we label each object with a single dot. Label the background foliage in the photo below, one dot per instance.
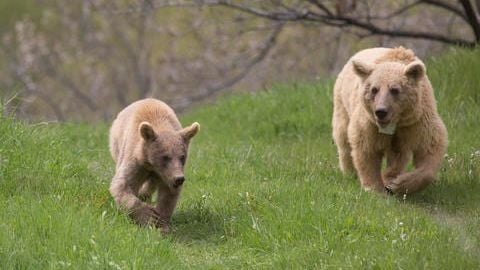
(85, 60)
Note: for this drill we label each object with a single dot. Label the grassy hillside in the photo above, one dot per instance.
(263, 190)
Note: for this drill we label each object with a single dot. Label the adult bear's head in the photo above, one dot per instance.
(391, 91)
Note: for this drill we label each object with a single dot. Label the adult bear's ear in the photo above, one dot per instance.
(188, 132)
(362, 69)
(415, 70)
(146, 131)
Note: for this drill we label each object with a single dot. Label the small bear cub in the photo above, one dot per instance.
(149, 147)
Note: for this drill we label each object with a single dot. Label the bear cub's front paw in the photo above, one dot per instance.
(145, 216)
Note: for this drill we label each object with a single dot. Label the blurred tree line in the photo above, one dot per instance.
(85, 60)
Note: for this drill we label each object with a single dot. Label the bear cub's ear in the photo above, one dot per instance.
(188, 132)
(362, 69)
(415, 70)
(146, 131)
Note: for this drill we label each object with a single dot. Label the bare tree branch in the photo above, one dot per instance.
(376, 30)
(446, 6)
(344, 21)
(472, 18)
(225, 84)
(322, 7)
(400, 11)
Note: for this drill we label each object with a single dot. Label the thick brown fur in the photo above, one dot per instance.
(392, 81)
(150, 149)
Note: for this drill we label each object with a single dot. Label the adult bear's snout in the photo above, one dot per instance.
(381, 113)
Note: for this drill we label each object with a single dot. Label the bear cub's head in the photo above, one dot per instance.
(391, 91)
(165, 152)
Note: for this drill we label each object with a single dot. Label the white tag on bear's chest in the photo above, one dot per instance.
(388, 130)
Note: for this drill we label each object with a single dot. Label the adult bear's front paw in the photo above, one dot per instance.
(400, 184)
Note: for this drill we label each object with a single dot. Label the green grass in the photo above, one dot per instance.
(263, 190)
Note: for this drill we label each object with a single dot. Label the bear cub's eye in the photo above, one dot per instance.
(374, 90)
(166, 159)
(394, 91)
(182, 159)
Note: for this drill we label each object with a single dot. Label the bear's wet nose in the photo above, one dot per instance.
(381, 113)
(179, 180)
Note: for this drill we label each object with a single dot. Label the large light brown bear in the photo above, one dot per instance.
(150, 149)
(384, 107)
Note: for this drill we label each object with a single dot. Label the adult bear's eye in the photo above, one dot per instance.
(394, 91)
(374, 90)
